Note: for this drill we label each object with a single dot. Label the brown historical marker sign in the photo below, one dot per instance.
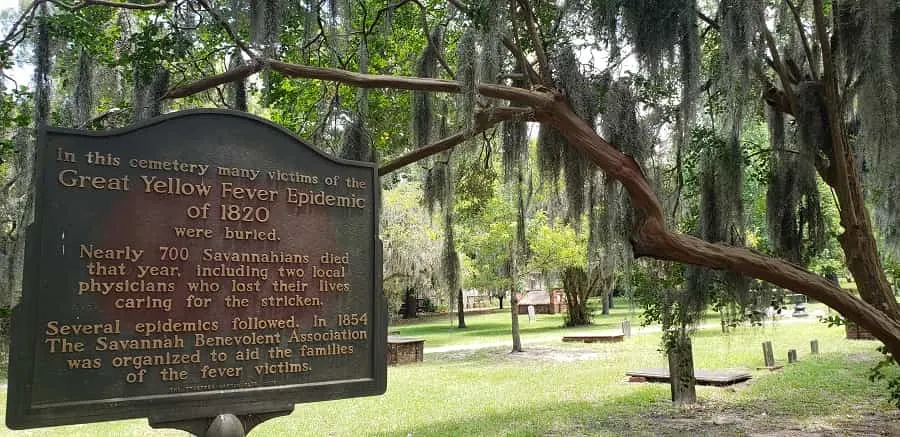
(203, 263)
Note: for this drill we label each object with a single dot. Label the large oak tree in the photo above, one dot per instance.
(826, 65)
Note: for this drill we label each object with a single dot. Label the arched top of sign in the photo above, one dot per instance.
(197, 114)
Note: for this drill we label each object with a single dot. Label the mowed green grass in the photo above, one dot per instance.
(573, 389)
(496, 327)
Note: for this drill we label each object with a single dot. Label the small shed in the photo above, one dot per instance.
(553, 302)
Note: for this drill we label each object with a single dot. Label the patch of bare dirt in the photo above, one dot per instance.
(532, 353)
(538, 353)
(710, 419)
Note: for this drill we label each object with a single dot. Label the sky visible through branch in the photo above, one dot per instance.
(20, 73)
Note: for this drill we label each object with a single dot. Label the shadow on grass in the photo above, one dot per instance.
(477, 328)
(800, 401)
(617, 416)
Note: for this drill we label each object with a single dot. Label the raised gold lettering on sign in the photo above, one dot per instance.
(72, 179)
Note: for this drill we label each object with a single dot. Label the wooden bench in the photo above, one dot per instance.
(703, 377)
(402, 350)
(596, 338)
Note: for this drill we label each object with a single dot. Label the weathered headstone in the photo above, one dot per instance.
(626, 328)
(814, 347)
(792, 355)
(532, 316)
(201, 265)
(768, 355)
(681, 371)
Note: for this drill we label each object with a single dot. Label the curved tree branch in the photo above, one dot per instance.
(780, 68)
(650, 236)
(813, 67)
(162, 4)
(538, 42)
(521, 59)
(238, 73)
(527, 97)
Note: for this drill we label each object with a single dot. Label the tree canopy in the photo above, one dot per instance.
(639, 102)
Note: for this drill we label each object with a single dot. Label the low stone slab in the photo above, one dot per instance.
(401, 350)
(703, 377)
(600, 338)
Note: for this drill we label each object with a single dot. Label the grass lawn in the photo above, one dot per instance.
(557, 389)
(495, 327)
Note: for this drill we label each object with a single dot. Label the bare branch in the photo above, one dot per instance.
(227, 27)
(813, 67)
(780, 68)
(538, 42)
(23, 20)
(521, 59)
(238, 73)
(101, 117)
(161, 4)
(842, 168)
(712, 23)
(484, 120)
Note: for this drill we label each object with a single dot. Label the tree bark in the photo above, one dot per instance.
(514, 311)
(460, 309)
(577, 289)
(651, 238)
(858, 239)
(681, 369)
(411, 305)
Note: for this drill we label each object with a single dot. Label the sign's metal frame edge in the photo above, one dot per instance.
(21, 414)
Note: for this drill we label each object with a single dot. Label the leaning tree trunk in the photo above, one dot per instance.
(681, 368)
(650, 236)
(858, 239)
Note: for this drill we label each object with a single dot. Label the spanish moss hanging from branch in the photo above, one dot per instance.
(619, 121)
(655, 28)
(721, 219)
(422, 116)
(434, 189)
(515, 148)
(782, 193)
(466, 70)
(583, 97)
(740, 21)
(84, 89)
(265, 21)
(878, 104)
(492, 50)
(237, 90)
(149, 87)
(42, 66)
(605, 23)
(356, 142)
